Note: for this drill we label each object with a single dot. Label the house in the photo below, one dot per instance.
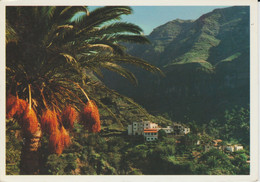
(137, 128)
(179, 129)
(213, 144)
(168, 129)
(234, 148)
(216, 142)
(149, 125)
(151, 134)
(230, 148)
(238, 147)
(146, 128)
(150, 130)
(198, 142)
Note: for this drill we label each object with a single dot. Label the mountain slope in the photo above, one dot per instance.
(206, 62)
(209, 39)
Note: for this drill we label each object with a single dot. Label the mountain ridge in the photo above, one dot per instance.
(206, 62)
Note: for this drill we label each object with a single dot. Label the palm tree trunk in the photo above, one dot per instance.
(30, 158)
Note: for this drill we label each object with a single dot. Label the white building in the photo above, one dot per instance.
(151, 134)
(234, 148)
(179, 129)
(168, 130)
(230, 148)
(149, 125)
(137, 128)
(185, 130)
(238, 147)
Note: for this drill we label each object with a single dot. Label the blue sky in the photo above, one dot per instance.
(150, 17)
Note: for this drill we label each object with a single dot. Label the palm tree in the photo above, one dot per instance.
(49, 50)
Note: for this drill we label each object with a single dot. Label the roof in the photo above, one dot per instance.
(152, 130)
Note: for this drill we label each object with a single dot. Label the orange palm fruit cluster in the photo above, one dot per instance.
(15, 106)
(90, 117)
(59, 140)
(69, 115)
(59, 137)
(65, 138)
(23, 105)
(29, 121)
(11, 104)
(55, 145)
(49, 121)
(25, 116)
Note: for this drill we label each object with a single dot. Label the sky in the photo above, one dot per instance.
(150, 17)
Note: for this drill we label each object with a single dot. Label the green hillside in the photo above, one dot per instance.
(206, 62)
(208, 40)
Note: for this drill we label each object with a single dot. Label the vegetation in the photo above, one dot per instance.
(116, 153)
(233, 127)
(94, 154)
(49, 52)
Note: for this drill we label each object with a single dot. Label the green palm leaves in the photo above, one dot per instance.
(50, 48)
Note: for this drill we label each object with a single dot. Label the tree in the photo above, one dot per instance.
(240, 163)
(216, 161)
(50, 53)
(162, 134)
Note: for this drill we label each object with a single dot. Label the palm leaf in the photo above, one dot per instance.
(52, 46)
(130, 38)
(119, 27)
(10, 34)
(103, 44)
(137, 62)
(100, 16)
(121, 71)
(69, 12)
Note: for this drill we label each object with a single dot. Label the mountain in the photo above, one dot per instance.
(206, 62)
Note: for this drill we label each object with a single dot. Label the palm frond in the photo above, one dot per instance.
(10, 34)
(79, 17)
(54, 44)
(96, 69)
(70, 59)
(121, 71)
(103, 44)
(119, 27)
(99, 46)
(137, 62)
(102, 15)
(130, 38)
(69, 12)
(50, 11)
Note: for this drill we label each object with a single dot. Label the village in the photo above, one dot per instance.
(150, 132)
